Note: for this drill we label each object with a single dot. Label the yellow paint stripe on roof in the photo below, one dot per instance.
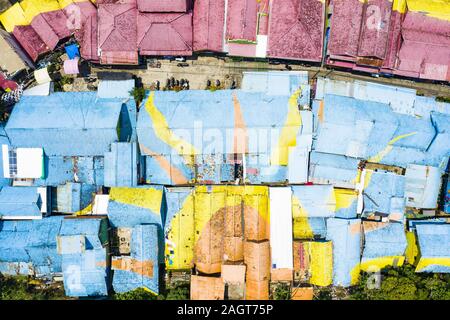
(288, 136)
(378, 157)
(180, 241)
(12, 17)
(425, 262)
(344, 198)
(439, 9)
(148, 198)
(376, 264)
(163, 132)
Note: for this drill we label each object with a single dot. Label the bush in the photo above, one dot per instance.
(282, 292)
(404, 284)
(25, 288)
(138, 94)
(179, 292)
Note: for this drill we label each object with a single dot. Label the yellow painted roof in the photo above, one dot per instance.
(12, 17)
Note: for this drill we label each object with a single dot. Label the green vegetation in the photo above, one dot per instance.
(404, 284)
(443, 99)
(138, 94)
(178, 292)
(282, 292)
(325, 293)
(25, 288)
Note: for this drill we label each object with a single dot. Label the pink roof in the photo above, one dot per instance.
(208, 21)
(165, 34)
(375, 29)
(296, 30)
(394, 39)
(117, 33)
(163, 5)
(85, 29)
(88, 39)
(241, 20)
(30, 41)
(45, 31)
(58, 22)
(345, 27)
(71, 66)
(425, 51)
(85, 8)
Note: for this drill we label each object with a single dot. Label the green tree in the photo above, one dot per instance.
(282, 292)
(138, 95)
(27, 288)
(404, 284)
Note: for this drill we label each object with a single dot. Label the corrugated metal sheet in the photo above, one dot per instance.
(281, 227)
(65, 124)
(346, 237)
(384, 245)
(434, 240)
(422, 186)
(119, 89)
(121, 165)
(86, 273)
(208, 25)
(164, 34)
(29, 247)
(20, 203)
(141, 267)
(117, 30)
(296, 30)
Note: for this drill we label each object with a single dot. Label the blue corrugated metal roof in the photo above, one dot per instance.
(384, 193)
(372, 131)
(20, 202)
(316, 200)
(434, 242)
(332, 168)
(346, 237)
(205, 121)
(136, 212)
(3, 140)
(384, 240)
(121, 165)
(30, 244)
(59, 170)
(115, 88)
(65, 123)
(144, 250)
(86, 272)
(74, 197)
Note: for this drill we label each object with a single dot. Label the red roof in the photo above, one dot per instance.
(30, 41)
(117, 33)
(345, 27)
(163, 5)
(7, 84)
(209, 20)
(45, 31)
(164, 34)
(296, 29)
(375, 29)
(241, 20)
(86, 29)
(87, 37)
(425, 50)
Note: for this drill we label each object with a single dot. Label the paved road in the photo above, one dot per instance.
(226, 70)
